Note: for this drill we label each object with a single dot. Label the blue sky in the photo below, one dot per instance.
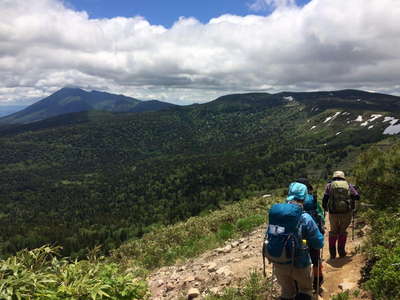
(233, 47)
(166, 12)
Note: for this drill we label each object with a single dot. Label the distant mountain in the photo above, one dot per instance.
(352, 99)
(71, 100)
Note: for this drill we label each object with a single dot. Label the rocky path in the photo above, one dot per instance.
(344, 273)
(227, 266)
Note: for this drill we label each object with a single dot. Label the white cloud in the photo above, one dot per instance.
(323, 45)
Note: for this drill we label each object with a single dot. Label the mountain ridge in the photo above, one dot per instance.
(74, 100)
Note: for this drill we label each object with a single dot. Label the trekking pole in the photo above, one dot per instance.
(317, 291)
(352, 231)
(321, 256)
(264, 273)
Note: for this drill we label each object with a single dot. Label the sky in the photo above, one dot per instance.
(167, 12)
(187, 51)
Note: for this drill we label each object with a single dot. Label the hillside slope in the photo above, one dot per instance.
(85, 179)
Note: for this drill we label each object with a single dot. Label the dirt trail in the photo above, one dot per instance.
(344, 273)
(227, 266)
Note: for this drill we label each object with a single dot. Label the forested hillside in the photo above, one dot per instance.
(42, 274)
(81, 180)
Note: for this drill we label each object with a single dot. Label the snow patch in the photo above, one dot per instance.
(393, 128)
(372, 126)
(374, 117)
(313, 127)
(288, 98)
(332, 117)
(337, 133)
(359, 119)
(391, 119)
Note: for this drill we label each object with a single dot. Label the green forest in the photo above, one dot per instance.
(91, 179)
(43, 273)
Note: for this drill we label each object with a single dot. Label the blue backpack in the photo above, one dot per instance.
(283, 235)
(310, 204)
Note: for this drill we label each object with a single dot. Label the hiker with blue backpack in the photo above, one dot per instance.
(313, 208)
(339, 200)
(290, 234)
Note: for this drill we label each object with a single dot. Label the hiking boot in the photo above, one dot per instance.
(342, 244)
(342, 252)
(302, 296)
(332, 252)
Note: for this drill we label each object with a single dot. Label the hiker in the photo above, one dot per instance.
(312, 207)
(339, 200)
(290, 234)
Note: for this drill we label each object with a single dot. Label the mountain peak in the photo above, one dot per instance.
(73, 99)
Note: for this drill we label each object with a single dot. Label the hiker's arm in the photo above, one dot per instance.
(312, 234)
(354, 196)
(325, 198)
(320, 212)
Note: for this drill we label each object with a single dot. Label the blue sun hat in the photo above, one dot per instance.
(297, 192)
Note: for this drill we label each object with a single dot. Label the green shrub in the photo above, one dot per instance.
(342, 296)
(225, 231)
(382, 272)
(385, 276)
(378, 176)
(40, 274)
(247, 224)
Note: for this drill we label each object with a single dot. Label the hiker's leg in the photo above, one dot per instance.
(342, 244)
(345, 220)
(334, 220)
(303, 277)
(303, 297)
(286, 281)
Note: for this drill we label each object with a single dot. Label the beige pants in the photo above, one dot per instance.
(287, 276)
(339, 223)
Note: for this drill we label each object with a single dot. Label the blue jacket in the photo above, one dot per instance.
(308, 227)
(309, 231)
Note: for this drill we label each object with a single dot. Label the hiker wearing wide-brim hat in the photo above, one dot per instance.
(339, 200)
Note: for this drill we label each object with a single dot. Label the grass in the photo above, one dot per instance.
(167, 245)
(255, 287)
(341, 296)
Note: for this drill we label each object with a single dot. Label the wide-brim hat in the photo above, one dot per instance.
(338, 174)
